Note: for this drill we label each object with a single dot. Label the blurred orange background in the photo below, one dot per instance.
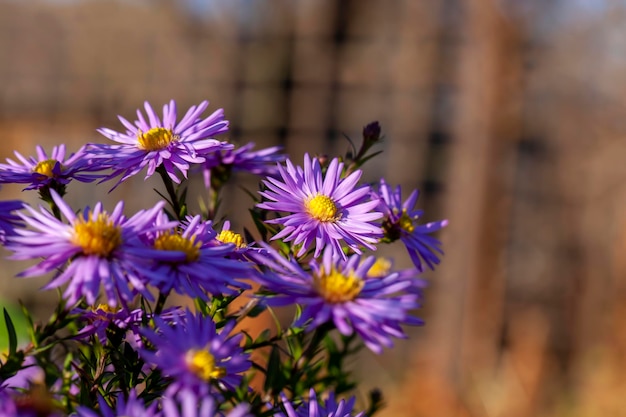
(509, 115)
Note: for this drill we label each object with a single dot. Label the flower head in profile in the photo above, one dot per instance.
(219, 165)
(311, 408)
(131, 406)
(186, 403)
(54, 170)
(325, 208)
(383, 267)
(101, 320)
(188, 261)
(154, 142)
(401, 222)
(195, 354)
(240, 248)
(342, 292)
(96, 249)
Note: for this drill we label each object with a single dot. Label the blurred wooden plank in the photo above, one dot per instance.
(466, 305)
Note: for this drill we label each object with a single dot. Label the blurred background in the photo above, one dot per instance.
(508, 115)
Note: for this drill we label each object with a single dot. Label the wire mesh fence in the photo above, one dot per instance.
(508, 118)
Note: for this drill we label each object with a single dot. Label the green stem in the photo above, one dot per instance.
(45, 195)
(243, 312)
(214, 196)
(318, 336)
(270, 341)
(160, 302)
(171, 191)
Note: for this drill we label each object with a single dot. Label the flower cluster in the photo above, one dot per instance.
(118, 343)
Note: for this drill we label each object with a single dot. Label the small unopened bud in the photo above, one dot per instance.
(371, 133)
(322, 159)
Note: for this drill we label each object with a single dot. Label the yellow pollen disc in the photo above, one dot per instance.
(105, 308)
(155, 139)
(176, 242)
(336, 287)
(202, 363)
(227, 236)
(97, 236)
(381, 268)
(405, 222)
(321, 208)
(45, 167)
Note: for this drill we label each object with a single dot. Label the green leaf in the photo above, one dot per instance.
(20, 323)
(368, 157)
(253, 196)
(274, 380)
(167, 200)
(248, 236)
(11, 333)
(258, 222)
(248, 340)
(182, 195)
(256, 310)
(264, 336)
(351, 143)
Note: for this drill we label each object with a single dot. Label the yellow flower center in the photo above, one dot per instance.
(405, 222)
(97, 236)
(381, 268)
(202, 363)
(227, 236)
(176, 242)
(322, 208)
(155, 139)
(45, 167)
(105, 308)
(336, 287)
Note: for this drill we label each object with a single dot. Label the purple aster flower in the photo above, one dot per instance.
(383, 267)
(243, 159)
(46, 171)
(96, 248)
(226, 236)
(186, 403)
(190, 263)
(194, 354)
(326, 208)
(8, 220)
(29, 374)
(102, 317)
(36, 402)
(400, 222)
(162, 142)
(329, 408)
(132, 406)
(341, 291)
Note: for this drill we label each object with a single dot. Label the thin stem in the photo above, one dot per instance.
(46, 195)
(243, 312)
(169, 187)
(55, 210)
(161, 302)
(280, 336)
(318, 336)
(214, 196)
